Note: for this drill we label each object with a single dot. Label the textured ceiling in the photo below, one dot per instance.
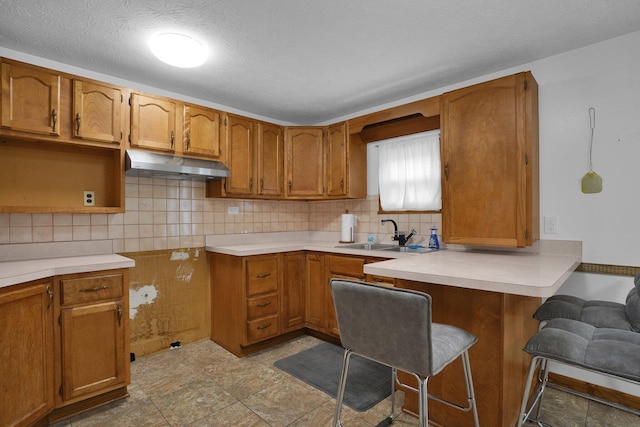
(310, 61)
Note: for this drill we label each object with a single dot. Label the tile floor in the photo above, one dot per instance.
(201, 385)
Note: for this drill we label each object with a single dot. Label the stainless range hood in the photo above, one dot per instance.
(153, 165)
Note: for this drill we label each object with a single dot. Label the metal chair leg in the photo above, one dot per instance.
(470, 391)
(341, 387)
(423, 412)
(525, 408)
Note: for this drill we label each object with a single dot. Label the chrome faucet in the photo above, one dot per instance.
(399, 235)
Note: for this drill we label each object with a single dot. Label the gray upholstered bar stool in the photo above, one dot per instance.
(607, 351)
(393, 326)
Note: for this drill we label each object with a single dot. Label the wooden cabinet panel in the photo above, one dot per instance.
(262, 275)
(240, 134)
(304, 163)
(293, 292)
(153, 122)
(261, 329)
(27, 354)
(270, 159)
(490, 166)
(98, 112)
(201, 131)
(93, 349)
(30, 99)
(262, 306)
(79, 290)
(315, 290)
(336, 174)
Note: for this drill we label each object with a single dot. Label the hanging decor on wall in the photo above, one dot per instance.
(591, 181)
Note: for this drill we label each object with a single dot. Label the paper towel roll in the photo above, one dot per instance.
(348, 228)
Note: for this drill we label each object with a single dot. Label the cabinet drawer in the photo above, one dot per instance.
(258, 330)
(381, 280)
(262, 276)
(348, 266)
(261, 306)
(77, 290)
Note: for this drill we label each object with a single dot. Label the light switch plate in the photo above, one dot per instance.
(233, 210)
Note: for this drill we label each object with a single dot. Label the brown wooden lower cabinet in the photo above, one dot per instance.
(26, 353)
(503, 323)
(92, 335)
(64, 346)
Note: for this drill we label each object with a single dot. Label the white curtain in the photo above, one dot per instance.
(409, 172)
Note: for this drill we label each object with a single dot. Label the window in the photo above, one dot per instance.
(409, 172)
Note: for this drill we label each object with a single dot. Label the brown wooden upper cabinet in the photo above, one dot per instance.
(270, 160)
(304, 164)
(98, 112)
(337, 156)
(490, 163)
(240, 146)
(31, 99)
(254, 156)
(201, 134)
(154, 124)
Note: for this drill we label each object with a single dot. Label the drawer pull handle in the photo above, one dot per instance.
(263, 275)
(264, 326)
(96, 289)
(264, 304)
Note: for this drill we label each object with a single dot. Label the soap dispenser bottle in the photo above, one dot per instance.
(433, 239)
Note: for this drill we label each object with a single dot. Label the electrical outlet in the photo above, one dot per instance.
(550, 225)
(89, 198)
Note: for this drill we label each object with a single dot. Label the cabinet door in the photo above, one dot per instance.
(304, 162)
(270, 159)
(315, 290)
(97, 112)
(293, 291)
(93, 349)
(201, 131)
(339, 267)
(153, 122)
(488, 133)
(30, 99)
(240, 155)
(26, 352)
(337, 160)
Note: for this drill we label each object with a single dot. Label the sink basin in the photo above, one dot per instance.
(385, 247)
(408, 250)
(368, 246)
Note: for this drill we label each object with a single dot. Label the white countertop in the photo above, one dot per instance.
(15, 271)
(536, 272)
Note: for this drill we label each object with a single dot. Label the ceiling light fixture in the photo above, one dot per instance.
(178, 50)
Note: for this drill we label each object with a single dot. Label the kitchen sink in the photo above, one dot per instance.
(368, 246)
(409, 250)
(385, 247)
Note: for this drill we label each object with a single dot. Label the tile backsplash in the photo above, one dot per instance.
(166, 214)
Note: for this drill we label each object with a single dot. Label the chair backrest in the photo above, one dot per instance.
(389, 325)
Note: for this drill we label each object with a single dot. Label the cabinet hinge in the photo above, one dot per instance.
(129, 100)
(526, 85)
(121, 98)
(120, 135)
(61, 391)
(526, 159)
(225, 121)
(526, 234)
(60, 319)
